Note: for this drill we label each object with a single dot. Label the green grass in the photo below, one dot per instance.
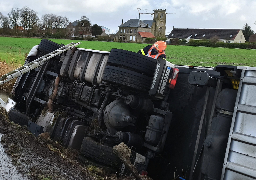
(207, 56)
(14, 50)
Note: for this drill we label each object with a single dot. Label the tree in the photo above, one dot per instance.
(55, 25)
(47, 21)
(84, 22)
(52, 21)
(1, 20)
(29, 19)
(14, 17)
(247, 31)
(96, 30)
(4, 24)
(83, 26)
(59, 22)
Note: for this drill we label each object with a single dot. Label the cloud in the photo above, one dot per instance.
(89, 6)
(243, 18)
(231, 6)
(5, 7)
(201, 6)
(188, 13)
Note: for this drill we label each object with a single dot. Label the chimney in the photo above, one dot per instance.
(122, 21)
(172, 27)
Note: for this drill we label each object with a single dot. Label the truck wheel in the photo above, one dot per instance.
(99, 153)
(132, 61)
(46, 46)
(126, 77)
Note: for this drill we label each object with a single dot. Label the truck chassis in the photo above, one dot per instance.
(179, 121)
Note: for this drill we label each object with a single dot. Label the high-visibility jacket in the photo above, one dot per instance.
(150, 51)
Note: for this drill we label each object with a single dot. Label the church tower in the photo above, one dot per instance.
(159, 23)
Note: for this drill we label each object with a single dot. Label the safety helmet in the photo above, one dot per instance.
(160, 46)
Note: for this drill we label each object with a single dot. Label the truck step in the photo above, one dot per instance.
(234, 171)
(249, 80)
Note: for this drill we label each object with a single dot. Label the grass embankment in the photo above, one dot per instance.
(14, 50)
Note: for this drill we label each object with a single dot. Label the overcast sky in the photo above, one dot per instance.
(226, 14)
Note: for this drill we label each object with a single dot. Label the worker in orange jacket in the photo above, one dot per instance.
(157, 50)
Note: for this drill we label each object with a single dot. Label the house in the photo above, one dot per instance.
(75, 31)
(138, 30)
(129, 31)
(252, 38)
(224, 35)
(19, 28)
(143, 35)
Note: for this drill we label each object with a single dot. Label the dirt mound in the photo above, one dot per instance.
(5, 68)
(39, 158)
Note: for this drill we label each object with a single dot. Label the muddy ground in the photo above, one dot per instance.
(40, 157)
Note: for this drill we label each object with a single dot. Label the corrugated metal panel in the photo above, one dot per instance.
(240, 158)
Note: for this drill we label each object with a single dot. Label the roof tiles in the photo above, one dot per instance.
(137, 23)
(228, 34)
(146, 35)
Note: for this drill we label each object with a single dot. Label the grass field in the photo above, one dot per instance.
(14, 51)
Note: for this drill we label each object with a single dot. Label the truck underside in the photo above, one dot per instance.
(198, 128)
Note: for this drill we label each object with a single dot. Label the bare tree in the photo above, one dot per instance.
(60, 22)
(54, 25)
(14, 17)
(48, 20)
(47, 23)
(4, 24)
(51, 21)
(29, 18)
(1, 20)
(83, 26)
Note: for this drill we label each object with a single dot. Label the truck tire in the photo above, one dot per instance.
(46, 46)
(132, 61)
(127, 78)
(99, 153)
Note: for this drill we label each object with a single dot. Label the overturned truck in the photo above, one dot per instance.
(180, 122)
